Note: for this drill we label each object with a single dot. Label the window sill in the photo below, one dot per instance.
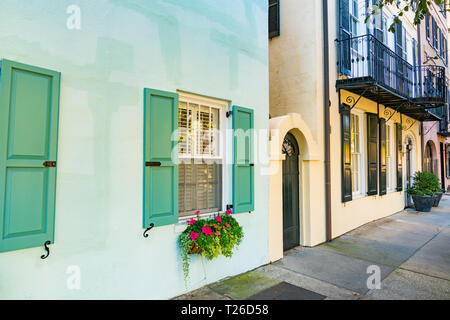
(203, 216)
(181, 225)
(358, 196)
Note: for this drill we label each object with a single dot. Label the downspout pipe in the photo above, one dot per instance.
(326, 116)
(419, 59)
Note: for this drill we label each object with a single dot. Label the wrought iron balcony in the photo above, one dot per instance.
(369, 68)
(429, 88)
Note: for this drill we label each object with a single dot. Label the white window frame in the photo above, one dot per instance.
(390, 175)
(361, 192)
(223, 107)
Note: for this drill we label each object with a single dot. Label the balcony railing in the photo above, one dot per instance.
(366, 59)
(431, 87)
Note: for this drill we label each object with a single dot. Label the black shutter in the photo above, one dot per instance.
(372, 154)
(427, 25)
(346, 141)
(344, 37)
(383, 157)
(398, 157)
(274, 18)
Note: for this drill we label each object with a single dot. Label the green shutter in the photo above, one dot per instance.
(243, 167)
(160, 158)
(29, 108)
(372, 156)
(346, 180)
(399, 156)
(383, 157)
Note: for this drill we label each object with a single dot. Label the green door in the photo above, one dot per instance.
(29, 105)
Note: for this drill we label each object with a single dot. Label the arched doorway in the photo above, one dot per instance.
(291, 225)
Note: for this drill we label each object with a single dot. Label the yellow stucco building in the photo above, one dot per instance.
(346, 108)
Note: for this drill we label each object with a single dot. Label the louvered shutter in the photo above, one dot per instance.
(243, 166)
(372, 156)
(346, 155)
(344, 37)
(383, 157)
(274, 18)
(399, 157)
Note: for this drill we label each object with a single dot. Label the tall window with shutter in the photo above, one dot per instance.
(274, 18)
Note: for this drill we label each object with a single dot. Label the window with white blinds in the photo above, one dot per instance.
(200, 167)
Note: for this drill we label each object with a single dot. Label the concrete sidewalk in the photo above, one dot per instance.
(410, 249)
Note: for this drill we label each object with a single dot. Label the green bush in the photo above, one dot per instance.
(425, 184)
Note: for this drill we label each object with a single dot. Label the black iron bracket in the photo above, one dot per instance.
(395, 110)
(408, 121)
(229, 206)
(152, 225)
(430, 128)
(46, 244)
(351, 99)
(229, 114)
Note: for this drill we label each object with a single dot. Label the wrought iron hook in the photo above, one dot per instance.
(46, 244)
(148, 229)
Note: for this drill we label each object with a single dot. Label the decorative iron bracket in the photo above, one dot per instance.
(152, 225)
(409, 121)
(396, 110)
(351, 100)
(46, 244)
(430, 128)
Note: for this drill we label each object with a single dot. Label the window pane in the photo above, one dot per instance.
(205, 126)
(199, 188)
(215, 132)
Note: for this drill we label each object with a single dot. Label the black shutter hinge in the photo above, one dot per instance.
(229, 114)
(229, 206)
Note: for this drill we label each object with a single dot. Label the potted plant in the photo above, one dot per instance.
(212, 237)
(437, 197)
(423, 190)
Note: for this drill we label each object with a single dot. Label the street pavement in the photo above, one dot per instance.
(403, 256)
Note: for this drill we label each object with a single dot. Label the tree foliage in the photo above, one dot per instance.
(419, 7)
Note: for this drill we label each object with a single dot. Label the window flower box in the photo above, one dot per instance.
(209, 238)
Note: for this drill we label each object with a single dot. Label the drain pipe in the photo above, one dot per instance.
(419, 58)
(326, 117)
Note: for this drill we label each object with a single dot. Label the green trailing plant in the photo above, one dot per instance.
(212, 237)
(424, 184)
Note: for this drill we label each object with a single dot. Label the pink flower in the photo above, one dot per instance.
(194, 235)
(198, 212)
(219, 219)
(191, 222)
(207, 231)
(229, 212)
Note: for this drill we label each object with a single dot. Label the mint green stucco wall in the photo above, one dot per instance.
(215, 48)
